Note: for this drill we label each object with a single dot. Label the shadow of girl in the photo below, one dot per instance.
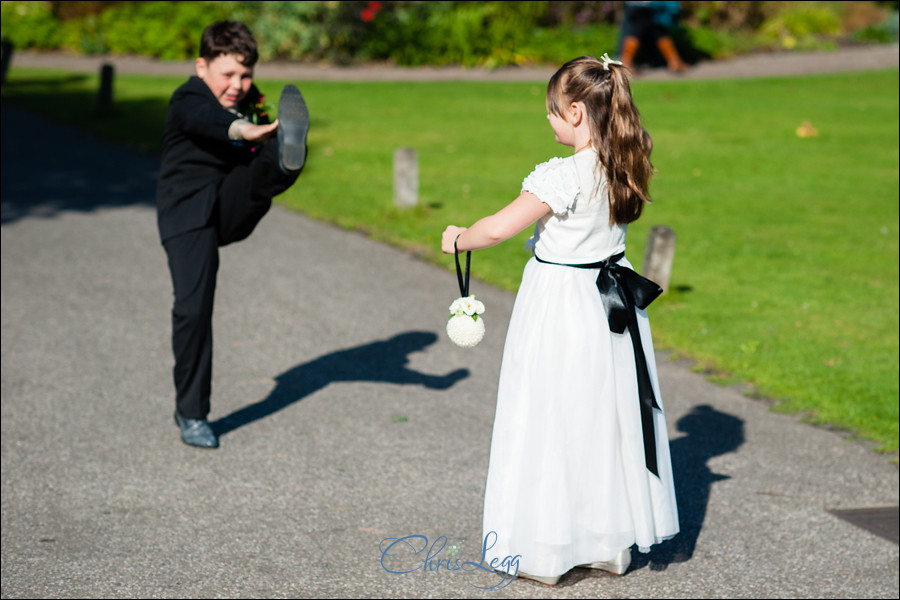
(382, 361)
(710, 433)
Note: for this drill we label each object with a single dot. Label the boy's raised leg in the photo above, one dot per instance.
(245, 195)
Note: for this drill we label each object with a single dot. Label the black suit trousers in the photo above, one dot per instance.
(244, 196)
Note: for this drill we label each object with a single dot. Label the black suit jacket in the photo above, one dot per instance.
(196, 156)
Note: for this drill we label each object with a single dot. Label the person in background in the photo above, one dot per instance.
(653, 22)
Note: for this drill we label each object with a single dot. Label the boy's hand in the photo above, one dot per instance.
(258, 133)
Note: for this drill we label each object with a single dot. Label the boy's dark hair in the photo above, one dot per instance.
(229, 37)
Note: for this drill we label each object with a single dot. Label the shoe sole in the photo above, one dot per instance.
(610, 570)
(293, 126)
(613, 567)
(548, 581)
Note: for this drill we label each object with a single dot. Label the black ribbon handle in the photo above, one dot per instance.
(622, 291)
(463, 288)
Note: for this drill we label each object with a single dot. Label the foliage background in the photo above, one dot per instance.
(488, 34)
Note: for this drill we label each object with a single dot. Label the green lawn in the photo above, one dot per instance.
(786, 266)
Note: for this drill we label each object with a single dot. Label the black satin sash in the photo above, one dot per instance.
(622, 291)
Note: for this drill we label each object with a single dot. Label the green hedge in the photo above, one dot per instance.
(487, 34)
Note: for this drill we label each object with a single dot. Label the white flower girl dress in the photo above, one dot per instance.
(568, 482)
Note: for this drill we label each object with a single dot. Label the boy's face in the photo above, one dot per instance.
(228, 79)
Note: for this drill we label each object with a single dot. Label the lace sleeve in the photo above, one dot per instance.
(555, 182)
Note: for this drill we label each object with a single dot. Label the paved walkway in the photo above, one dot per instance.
(347, 418)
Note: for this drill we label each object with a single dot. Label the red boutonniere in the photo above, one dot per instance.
(259, 111)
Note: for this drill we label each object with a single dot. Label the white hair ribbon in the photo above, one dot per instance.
(608, 61)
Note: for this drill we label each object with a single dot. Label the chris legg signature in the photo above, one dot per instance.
(414, 553)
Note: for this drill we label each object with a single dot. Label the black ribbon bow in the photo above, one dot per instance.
(622, 291)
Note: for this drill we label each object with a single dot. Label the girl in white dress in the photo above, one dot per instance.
(579, 466)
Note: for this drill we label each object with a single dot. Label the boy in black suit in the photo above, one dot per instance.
(222, 163)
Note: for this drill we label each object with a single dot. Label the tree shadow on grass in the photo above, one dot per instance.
(50, 168)
(384, 361)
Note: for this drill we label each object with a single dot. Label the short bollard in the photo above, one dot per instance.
(6, 57)
(659, 255)
(406, 177)
(105, 95)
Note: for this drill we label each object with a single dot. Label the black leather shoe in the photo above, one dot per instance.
(293, 125)
(196, 432)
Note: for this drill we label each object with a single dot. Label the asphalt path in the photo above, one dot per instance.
(347, 418)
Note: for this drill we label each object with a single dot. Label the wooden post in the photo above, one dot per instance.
(105, 96)
(6, 56)
(659, 255)
(406, 177)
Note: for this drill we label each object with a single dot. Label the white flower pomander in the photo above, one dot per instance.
(466, 325)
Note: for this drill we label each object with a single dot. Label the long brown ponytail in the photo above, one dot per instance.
(616, 131)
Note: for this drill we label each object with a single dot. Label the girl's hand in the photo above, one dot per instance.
(449, 237)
